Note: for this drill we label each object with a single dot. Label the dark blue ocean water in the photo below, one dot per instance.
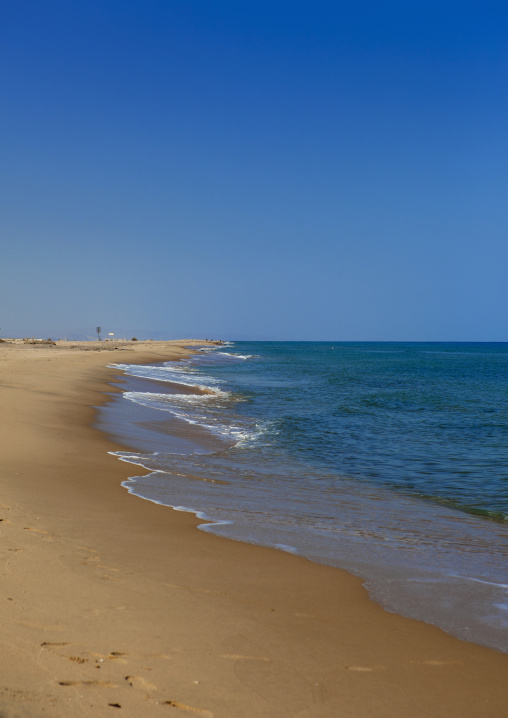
(388, 459)
(428, 419)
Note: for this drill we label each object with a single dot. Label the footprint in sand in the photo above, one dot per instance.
(197, 711)
(53, 646)
(102, 684)
(44, 534)
(115, 656)
(93, 561)
(139, 682)
(105, 577)
(38, 531)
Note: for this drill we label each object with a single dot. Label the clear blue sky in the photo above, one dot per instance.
(254, 170)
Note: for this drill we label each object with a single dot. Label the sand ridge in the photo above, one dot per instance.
(113, 605)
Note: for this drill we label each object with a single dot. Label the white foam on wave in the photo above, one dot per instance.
(228, 430)
(130, 485)
(205, 410)
(236, 356)
(479, 580)
(286, 548)
(181, 375)
(186, 408)
(149, 398)
(132, 458)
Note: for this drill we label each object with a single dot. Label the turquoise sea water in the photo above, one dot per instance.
(387, 459)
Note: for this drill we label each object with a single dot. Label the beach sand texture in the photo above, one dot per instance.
(110, 604)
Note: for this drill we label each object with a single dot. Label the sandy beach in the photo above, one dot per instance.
(112, 604)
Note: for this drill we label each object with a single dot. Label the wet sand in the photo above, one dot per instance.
(111, 604)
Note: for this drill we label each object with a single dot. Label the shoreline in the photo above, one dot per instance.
(108, 600)
(416, 558)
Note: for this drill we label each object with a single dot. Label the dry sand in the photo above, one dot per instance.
(113, 605)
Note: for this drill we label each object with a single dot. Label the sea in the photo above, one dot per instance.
(387, 459)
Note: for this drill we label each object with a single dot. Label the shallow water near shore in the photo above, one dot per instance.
(389, 460)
